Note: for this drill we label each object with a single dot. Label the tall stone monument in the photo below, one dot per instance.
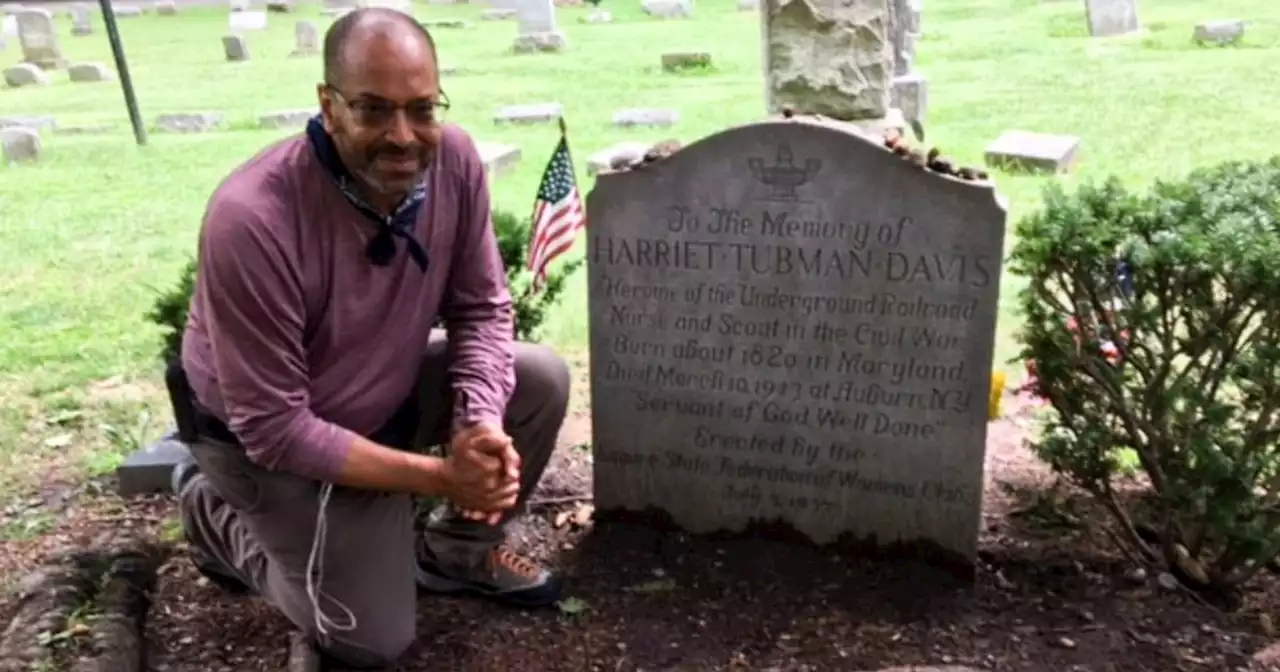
(791, 327)
(833, 59)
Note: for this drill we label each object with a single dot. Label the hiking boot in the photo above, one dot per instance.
(184, 474)
(503, 576)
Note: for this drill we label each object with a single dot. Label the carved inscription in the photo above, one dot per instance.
(795, 359)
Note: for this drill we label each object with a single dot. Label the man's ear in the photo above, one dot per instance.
(326, 107)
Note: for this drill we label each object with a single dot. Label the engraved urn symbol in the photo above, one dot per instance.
(784, 176)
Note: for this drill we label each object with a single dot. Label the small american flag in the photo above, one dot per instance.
(557, 212)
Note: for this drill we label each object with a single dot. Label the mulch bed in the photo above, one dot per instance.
(1050, 595)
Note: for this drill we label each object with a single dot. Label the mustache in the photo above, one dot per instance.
(394, 151)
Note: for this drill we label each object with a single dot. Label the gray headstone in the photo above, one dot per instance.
(642, 117)
(445, 23)
(38, 35)
(81, 21)
(166, 8)
(748, 5)
(1226, 31)
(793, 327)
(24, 74)
(537, 27)
(19, 144)
(911, 95)
(286, 119)
(831, 59)
(306, 39)
(534, 113)
(498, 158)
(603, 160)
(239, 22)
(596, 16)
(150, 470)
(1033, 152)
(1108, 18)
(90, 72)
(189, 122)
(667, 9)
(127, 11)
(235, 48)
(498, 14)
(680, 60)
(43, 122)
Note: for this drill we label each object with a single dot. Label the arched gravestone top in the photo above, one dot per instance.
(792, 329)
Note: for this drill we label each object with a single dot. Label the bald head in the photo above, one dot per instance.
(374, 39)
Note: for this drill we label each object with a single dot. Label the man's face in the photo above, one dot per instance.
(384, 112)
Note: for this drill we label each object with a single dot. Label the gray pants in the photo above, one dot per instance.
(261, 523)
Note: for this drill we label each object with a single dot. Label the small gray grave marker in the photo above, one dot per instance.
(235, 48)
(497, 157)
(667, 9)
(1108, 18)
(803, 324)
(1225, 31)
(25, 74)
(90, 72)
(537, 27)
(19, 144)
(81, 21)
(286, 119)
(498, 14)
(644, 117)
(1037, 152)
(306, 40)
(189, 122)
(534, 113)
(150, 470)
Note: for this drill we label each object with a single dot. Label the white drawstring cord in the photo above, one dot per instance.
(315, 575)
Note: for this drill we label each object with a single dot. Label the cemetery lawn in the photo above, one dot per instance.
(91, 233)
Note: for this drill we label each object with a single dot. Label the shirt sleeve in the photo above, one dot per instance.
(255, 317)
(477, 307)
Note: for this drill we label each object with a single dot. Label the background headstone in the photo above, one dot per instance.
(151, 469)
(832, 59)
(1108, 18)
(24, 74)
(246, 20)
(1223, 31)
(90, 71)
(81, 21)
(38, 35)
(803, 324)
(235, 48)
(306, 39)
(1033, 152)
(166, 8)
(19, 144)
(537, 26)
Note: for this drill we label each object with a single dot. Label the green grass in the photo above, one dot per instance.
(90, 233)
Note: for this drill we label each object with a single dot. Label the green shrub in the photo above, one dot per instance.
(531, 310)
(1192, 388)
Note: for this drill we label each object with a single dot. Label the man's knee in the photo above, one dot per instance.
(542, 374)
(371, 646)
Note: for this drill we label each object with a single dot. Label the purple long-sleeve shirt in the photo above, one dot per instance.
(298, 342)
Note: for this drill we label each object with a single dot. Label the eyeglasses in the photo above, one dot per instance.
(376, 112)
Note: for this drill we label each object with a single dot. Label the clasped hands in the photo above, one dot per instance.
(483, 470)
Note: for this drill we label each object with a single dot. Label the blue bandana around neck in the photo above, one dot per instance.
(382, 247)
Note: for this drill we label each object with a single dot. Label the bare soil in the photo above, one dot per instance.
(1051, 594)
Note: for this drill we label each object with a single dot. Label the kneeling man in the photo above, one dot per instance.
(324, 263)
